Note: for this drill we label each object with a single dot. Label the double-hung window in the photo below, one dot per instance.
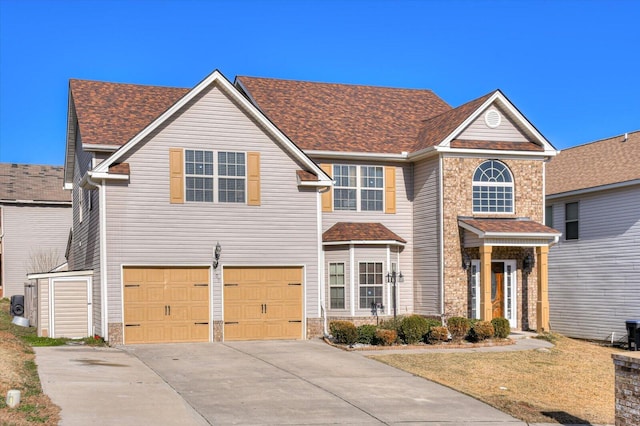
(232, 177)
(336, 285)
(198, 166)
(202, 173)
(571, 213)
(370, 284)
(358, 188)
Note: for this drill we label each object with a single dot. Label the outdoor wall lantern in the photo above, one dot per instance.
(527, 263)
(466, 261)
(391, 278)
(216, 255)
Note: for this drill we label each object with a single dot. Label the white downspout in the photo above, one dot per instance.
(441, 214)
(104, 300)
(321, 290)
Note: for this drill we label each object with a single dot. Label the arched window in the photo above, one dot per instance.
(492, 188)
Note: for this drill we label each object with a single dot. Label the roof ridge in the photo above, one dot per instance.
(601, 140)
(127, 84)
(412, 89)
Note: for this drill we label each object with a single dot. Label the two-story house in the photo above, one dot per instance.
(593, 197)
(264, 208)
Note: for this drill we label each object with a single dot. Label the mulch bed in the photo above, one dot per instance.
(444, 345)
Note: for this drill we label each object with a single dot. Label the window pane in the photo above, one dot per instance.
(572, 211)
(370, 284)
(571, 231)
(548, 216)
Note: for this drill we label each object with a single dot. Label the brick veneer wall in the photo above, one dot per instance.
(457, 201)
(627, 388)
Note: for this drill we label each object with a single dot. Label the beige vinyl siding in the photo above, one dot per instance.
(85, 246)
(593, 281)
(43, 307)
(401, 223)
(505, 132)
(426, 222)
(144, 229)
(30, 229)
(70, 308)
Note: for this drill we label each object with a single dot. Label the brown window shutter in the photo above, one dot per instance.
(327, 197)
(253, 178)
(390, 189)
(176, 175)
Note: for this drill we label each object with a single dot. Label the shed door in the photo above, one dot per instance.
(70, 308)
(163, 305)
(263, 303)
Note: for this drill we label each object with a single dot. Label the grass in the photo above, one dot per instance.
(18, 370)
(571, 383)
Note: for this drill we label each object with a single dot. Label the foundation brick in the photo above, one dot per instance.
(627, 388)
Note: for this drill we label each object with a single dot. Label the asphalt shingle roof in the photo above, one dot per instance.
(27, 182)
(604, 162)
(350, 231)
(343, 117)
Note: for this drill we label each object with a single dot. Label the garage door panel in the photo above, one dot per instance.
(169, 304)
(259, 303)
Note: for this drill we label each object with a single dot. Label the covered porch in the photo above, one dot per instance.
(494, 250)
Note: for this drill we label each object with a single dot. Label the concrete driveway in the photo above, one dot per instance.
(305, 383)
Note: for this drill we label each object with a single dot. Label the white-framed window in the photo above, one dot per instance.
(571, 217)
(358, 188)
(202, 173)
(232, 172)
(492, 188)
(336, 285)
(370, 284)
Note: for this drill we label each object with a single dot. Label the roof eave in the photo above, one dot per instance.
(364, 242)
(593, 189)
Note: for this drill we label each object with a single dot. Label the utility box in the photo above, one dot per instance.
(633, 331)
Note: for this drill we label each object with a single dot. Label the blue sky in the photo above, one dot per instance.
(572, 67)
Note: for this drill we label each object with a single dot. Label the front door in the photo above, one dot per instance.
(497, 289)
(503, 290)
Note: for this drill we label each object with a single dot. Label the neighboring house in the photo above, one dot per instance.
(264, 208)
(35, 218)
(593, 197)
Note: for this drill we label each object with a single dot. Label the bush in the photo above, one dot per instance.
(413, 329)
(367, 334)
(344, 332)
(386, 337)
(438, 334)
(391, 324)
(458, 327)
(501, 327)
(481, 330)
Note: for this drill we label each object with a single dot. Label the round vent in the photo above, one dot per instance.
(492, 118)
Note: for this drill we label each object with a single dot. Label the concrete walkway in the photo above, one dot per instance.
(282, 382)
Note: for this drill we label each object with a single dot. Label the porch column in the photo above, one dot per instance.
(486, 312)
(542, 307)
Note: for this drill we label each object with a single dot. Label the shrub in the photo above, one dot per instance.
(501, 327)
(438, 334)
(458, 327)
(413, 329)
(391, 324)
(482, 330)
(344, 332)
(366, 334)
(386, 337)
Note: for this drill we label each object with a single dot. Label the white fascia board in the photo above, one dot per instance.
(364, 242)
(108, 176)
(60, 274)
(403, 156)
(423, 153)
(593, 189)
(315, 184)
(67, 185)
(493, 153)
(522, 235)
(549, 150)
(229, 89)
(37, 202)
(92, 147)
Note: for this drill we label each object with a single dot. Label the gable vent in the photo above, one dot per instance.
(492, 118)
